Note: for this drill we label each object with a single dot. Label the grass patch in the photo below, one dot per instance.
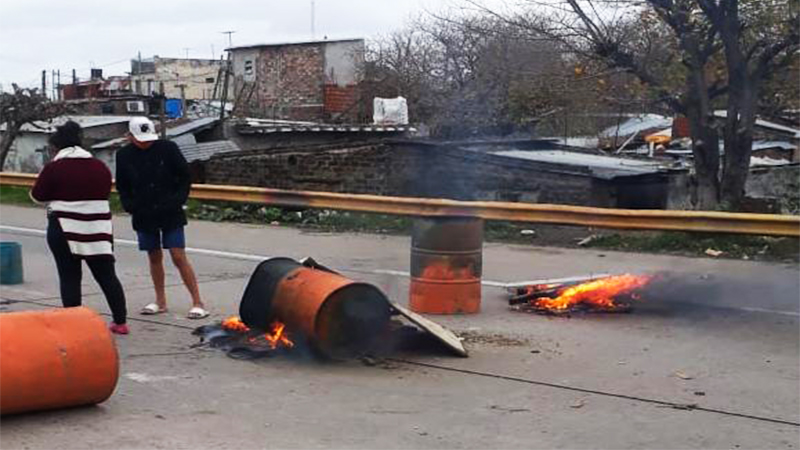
(731, 246)
(15, 195)
(328, 220)
(18, 195)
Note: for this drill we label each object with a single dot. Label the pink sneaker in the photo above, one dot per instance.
(119, 329)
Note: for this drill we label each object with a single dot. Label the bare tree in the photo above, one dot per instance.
(23, 106)
(690, 55)
(464, 75)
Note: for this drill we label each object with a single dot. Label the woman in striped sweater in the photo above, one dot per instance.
(76, 187)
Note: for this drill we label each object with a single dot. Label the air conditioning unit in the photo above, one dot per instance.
(135, 106)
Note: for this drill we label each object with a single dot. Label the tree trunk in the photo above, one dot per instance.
(6, 140)
(743, 90)
(705, 141)
(738, 142)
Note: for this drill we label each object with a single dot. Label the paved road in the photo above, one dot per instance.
(531, 381)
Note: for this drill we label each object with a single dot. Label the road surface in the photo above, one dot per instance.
(721, 336)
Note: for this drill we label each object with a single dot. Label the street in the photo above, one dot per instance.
(711, 359)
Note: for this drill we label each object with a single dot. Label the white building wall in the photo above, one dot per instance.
(344, 62)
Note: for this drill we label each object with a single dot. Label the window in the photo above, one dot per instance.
(248, 67)
(210, 80)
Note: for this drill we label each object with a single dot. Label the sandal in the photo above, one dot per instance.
(197, 313)
(152, 309)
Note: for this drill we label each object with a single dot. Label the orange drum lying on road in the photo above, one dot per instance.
(54, 359)
(339, 317)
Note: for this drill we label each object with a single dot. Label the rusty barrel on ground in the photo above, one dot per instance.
(446, 265)
(339, 317)
(55, 359)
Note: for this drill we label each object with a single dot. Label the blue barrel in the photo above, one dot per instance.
(10, 263)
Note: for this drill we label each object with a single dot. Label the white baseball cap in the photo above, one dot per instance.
(142, 129)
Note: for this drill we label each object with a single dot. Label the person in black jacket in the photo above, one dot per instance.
(153, 184)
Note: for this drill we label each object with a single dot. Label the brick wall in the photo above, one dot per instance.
(316, 81)
(407, 170)
(289, 84)
(358, 169)
(342, 102)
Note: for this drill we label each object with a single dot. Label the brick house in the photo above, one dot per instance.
(315, 81)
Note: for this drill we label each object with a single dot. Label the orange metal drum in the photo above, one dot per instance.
(446, 265)
(55, 359)
(338, 316)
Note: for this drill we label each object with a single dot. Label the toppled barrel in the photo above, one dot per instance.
(338, 316)
(55, 359)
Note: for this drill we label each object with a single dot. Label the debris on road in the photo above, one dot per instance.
(600, 294)
(579, 403)
(713, 253)
(508, 409)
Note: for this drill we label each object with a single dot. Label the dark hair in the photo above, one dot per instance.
(68, 135)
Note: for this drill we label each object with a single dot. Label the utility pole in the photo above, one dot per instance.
(313, 32)
(218, 80)
(162, 114)
(58, 74)
(138, 81)
(44, 83)
(53, 87)
(230, 40)
(74, 77)
(225, 89)
(186, 49)
(182, 87)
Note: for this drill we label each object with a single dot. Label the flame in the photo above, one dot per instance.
(599, 293)
(234, 323)
(276, 337)
(447, 272)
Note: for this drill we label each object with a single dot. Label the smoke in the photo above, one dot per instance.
(767, 293)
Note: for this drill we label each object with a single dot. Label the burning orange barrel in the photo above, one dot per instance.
(338, 316)
(55, 359)
(446, 265)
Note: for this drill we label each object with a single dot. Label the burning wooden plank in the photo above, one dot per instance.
(613, 293)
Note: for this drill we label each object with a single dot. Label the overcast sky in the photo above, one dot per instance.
(38, 35)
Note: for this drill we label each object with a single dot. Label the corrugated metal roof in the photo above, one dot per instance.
(638, 124)
(280, 44)
(192, 126)
(264, 127)
(600, 166)
(765, 124)
(44, 126)
(174, 132)
(205, 150)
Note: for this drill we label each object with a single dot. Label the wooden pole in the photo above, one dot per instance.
(225, 88)
(162, 114)
(183, 99)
